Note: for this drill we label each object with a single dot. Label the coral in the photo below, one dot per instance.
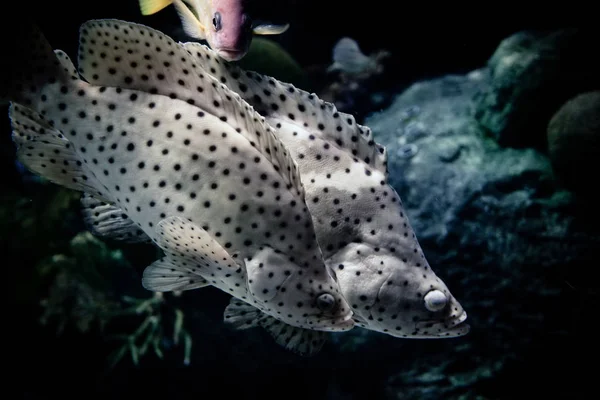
(533, 73)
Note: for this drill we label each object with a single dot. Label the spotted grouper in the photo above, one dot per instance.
(213, 187)
(359, 219)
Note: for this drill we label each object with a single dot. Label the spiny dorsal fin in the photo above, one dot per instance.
(29, 66)
(279, 101)
(136, 57)
(67, 64)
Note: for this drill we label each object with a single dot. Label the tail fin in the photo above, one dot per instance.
(30, 65)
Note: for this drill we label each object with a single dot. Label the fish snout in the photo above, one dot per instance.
(452, 326)
(457, 326)
(231, 54)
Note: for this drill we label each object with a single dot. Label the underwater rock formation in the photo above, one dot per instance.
(495, 225)
(574, 142)
(532, 75)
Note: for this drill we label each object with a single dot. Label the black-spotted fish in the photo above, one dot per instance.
(360, 222)
(224, 24)
(214, 187)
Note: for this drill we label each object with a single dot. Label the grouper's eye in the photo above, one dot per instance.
(325, 302)
(435, 300)
(217, 21)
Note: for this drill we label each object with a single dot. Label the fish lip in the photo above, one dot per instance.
(453, 322)
(452, 327)
(231, 54)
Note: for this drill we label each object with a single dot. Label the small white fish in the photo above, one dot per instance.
(348, 58)
(224, 24)
(214, 188)
(360, 222)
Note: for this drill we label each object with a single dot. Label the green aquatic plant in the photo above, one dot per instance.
(150, 333)
(93, 288)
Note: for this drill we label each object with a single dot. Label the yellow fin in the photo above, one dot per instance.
(149, 7)
(270, 29)
(191, 25)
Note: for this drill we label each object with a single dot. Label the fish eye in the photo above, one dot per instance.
(435, 300)
(217, 21)
(325, 302)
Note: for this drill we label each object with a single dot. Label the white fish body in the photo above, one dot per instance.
(360, 223)
(359, 218)
(348, 57)
(222, 199)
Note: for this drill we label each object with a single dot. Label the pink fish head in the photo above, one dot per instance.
(231, 29)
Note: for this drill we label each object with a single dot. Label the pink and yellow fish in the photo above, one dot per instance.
(224, 24)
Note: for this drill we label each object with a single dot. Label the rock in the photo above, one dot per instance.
(574, 142)
(268, 57)
(498, 230)
(532, 75)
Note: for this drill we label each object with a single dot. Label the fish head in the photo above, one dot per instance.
(398, 294)
(306, 296)
(230, 30)
(317, 301)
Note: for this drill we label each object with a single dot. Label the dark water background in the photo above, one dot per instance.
(425, 40)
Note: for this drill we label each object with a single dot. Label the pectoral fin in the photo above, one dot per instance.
(270, 29)
(191, 254)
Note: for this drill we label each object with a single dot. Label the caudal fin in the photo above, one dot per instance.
(29, 64)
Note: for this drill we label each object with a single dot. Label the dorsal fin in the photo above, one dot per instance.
(136, 57)
(29, 66)
(67, 64)
(279, 101)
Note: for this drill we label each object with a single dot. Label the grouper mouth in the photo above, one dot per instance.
(451, 327)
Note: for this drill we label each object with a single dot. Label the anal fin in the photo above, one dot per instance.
(108, 221)
(241, 315)
(304, 342)
(301, 341)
